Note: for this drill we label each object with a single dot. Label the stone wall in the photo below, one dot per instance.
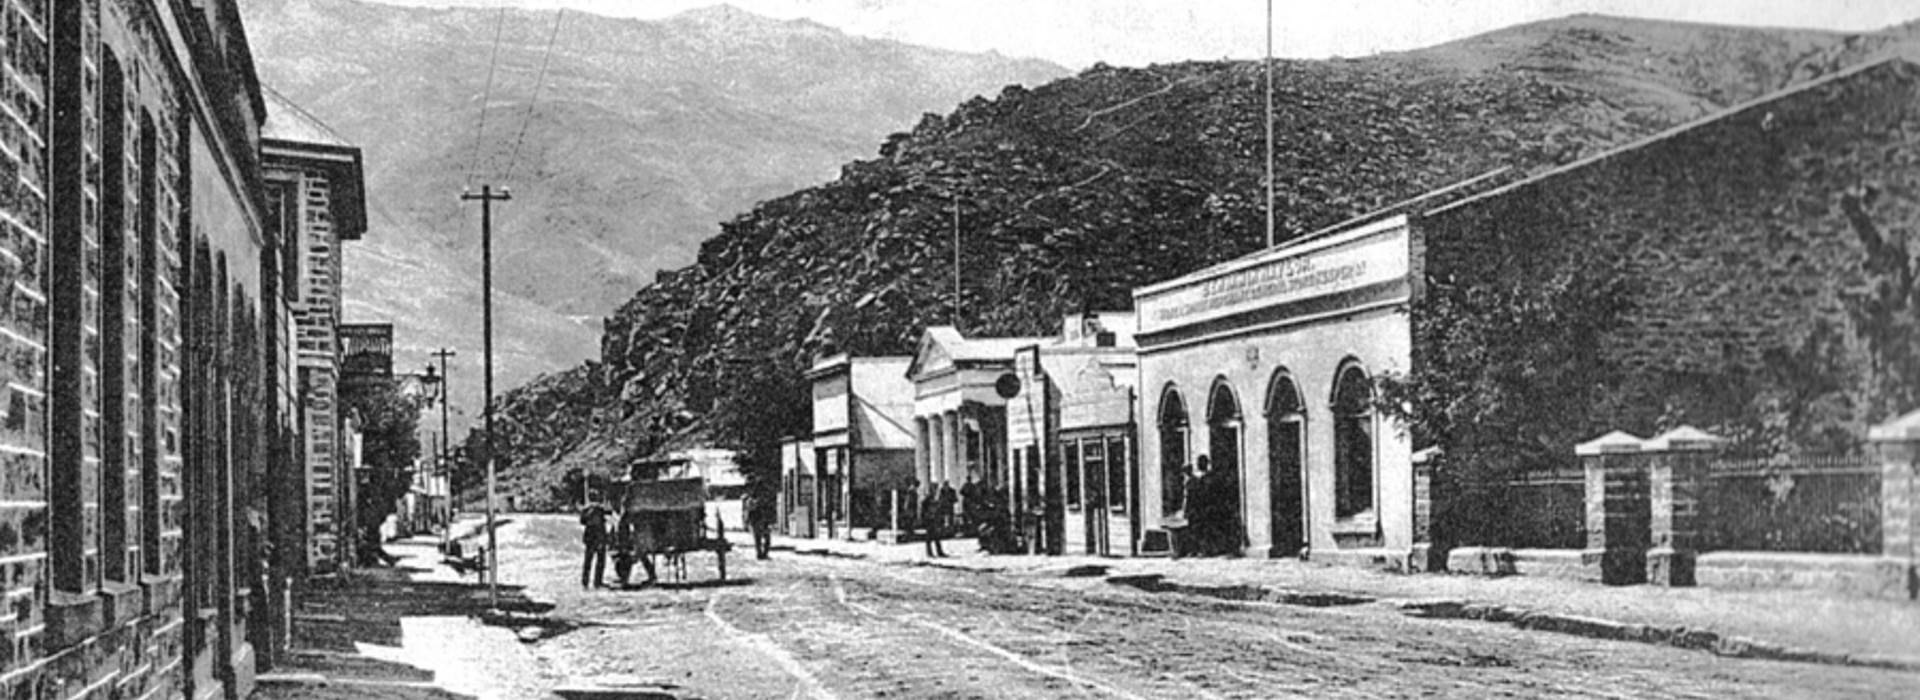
(23, 341)
(106, 173)
(1767, 258)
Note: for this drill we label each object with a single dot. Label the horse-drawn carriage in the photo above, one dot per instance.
(665, 517)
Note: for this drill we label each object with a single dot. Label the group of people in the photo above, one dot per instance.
(975, 510)
(1212, 513)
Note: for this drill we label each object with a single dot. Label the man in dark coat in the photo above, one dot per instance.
(593, 519)
(970, 501)
(934, 523)
(760, 516)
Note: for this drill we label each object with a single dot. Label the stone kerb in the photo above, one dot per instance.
(1618, 515)
(1898, 444)
(1677, 476)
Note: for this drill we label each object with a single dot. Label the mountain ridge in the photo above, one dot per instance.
(644, 136)
(1073, 192)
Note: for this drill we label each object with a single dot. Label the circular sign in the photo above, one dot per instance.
(1007, 386)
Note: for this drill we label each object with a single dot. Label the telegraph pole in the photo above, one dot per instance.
(444, 467)
(1268, 72)
(956, 261)
(487, 197)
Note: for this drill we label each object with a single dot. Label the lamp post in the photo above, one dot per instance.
(442, 465)
(436, 391)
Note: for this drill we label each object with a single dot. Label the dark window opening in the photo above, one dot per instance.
(1353, 442)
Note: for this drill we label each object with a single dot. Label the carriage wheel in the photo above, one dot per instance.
(722, 554)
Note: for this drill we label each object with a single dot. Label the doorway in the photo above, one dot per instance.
(1223, 450)
(1286, 462)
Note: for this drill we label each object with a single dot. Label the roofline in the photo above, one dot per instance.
(1263, 257)
(301, 111)
(352, 182)
(1892, 57)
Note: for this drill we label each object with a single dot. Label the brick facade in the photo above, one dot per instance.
(130, 235)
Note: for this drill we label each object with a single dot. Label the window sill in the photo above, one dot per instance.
(123, 601)
(1362, 523)
(163, 591)
(72, 618)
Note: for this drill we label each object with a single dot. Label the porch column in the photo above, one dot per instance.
(937, 451)
(921, 438)
(1677, 476)
(956, 449)
(1898, 444)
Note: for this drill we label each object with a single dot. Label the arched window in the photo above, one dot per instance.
(1223, 429)
(1352, 441)
(1173, 449)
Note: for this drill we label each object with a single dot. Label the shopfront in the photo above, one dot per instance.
(863, 446)
(1263, 368)
(960, 418)
(1071, 438)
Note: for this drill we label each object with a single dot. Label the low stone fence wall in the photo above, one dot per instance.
(1853, 574)
(1671, 511)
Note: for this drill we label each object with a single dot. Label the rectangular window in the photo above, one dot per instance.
(286, 198)
(75, 176)
(111, 325)
(1093, 467)
(149, 336)
(1119, 475)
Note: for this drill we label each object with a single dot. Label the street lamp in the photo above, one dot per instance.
(441, 463)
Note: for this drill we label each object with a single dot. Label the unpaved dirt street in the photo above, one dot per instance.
(801, 626)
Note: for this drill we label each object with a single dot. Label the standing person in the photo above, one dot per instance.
(593, 517)
(949, 499)
(933, 523)
(970, 510)
(760, 515)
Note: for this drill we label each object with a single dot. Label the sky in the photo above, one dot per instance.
(1077, 33)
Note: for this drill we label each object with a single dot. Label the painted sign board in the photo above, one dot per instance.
(1370, 255)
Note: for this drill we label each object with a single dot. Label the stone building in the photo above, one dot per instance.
(1754, 272)
(146, 390)
(314, 181)
(1264, 366)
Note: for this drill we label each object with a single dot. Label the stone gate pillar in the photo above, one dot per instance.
(1898, 444)
(1676, 483)
(1617, 508)
(1427, 555)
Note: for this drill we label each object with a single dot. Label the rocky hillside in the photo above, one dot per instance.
(645, 136)
(1072, 193)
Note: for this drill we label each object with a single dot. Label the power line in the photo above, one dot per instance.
(486, 95)
(539, 82)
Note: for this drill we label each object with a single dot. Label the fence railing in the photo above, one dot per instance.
(1544, 509)
(1811, 504)
(1818, 504)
